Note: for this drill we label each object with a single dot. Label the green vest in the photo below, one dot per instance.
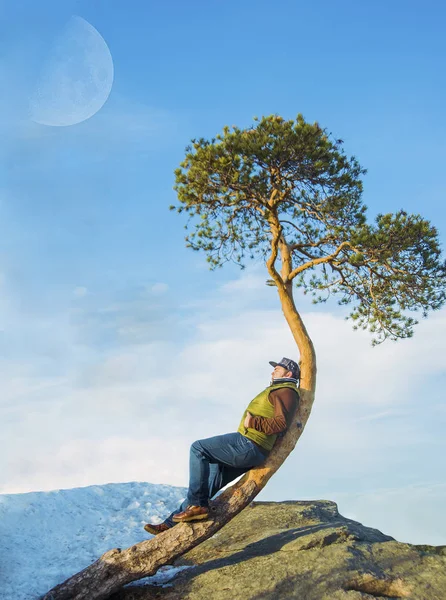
(262, 407)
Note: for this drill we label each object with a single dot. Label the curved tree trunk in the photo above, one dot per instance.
(119, 567)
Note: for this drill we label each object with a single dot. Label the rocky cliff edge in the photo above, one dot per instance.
(301, 550)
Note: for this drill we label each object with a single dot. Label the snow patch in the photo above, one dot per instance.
(49, 536)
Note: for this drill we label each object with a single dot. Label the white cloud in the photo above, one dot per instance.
(410, 513)
(159, 288)
(78, 462)
(80, 292)
(382, 415)
(254, 280)
(130, 410)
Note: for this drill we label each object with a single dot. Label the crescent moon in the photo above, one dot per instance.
(76, 79)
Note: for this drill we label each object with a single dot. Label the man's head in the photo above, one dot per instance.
(285, 368)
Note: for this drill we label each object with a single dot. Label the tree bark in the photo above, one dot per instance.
(119, 567)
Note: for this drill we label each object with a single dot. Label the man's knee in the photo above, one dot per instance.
(196, 447)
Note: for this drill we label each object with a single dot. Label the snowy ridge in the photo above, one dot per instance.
(48, 536)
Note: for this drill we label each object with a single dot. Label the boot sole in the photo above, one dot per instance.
(195, 518)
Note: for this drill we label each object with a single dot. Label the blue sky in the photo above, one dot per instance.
(109, 325)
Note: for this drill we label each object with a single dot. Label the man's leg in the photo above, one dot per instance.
(181, 508)
(231, 450)
(222, 459)
(219, 476)
(203, 455)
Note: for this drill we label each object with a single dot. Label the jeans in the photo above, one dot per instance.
(214, 462)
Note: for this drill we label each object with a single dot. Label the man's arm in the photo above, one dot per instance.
(284, 401)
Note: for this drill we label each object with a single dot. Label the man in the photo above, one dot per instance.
(216, 461)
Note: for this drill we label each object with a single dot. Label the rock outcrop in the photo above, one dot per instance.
(302, 550)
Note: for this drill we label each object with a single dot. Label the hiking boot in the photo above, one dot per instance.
(156, 529)
(192, 513)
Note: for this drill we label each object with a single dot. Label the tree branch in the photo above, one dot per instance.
(318, 261)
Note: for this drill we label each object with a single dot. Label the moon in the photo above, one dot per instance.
(77, 78)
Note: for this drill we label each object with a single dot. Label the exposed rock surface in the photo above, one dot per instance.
(302, 550)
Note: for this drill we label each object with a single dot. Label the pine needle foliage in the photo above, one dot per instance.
(285, 191)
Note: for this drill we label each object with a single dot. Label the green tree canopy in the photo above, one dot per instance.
(287, 188)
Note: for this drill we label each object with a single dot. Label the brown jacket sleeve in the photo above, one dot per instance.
(285, 402)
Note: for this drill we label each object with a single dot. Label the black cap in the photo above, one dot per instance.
(289, 365)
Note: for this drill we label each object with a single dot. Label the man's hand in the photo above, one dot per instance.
(247, 421)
